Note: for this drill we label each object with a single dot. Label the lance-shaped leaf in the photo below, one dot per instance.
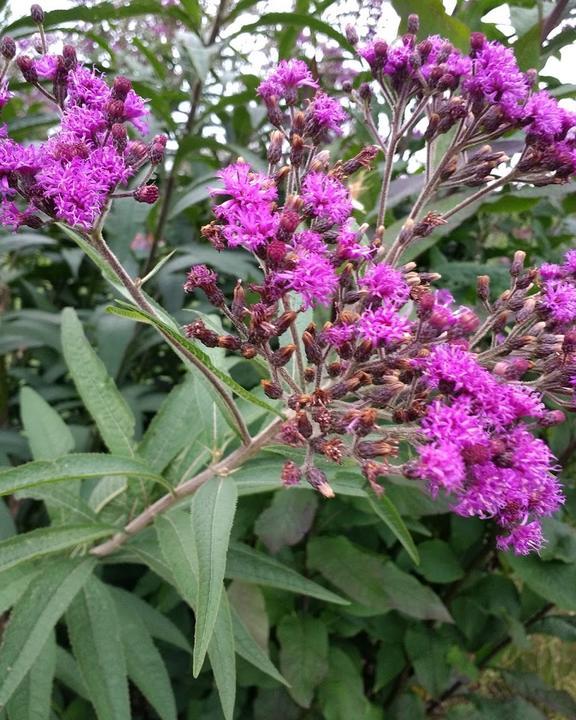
(73, 467)
(97, 389)
(47, 541)
(95, 634)
(213, 509)
(32, 699)
(386, 511)
(34, 617)
(48, 435)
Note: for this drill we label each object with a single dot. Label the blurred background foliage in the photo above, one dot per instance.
(467, 633)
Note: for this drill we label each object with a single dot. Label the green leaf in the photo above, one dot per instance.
(67, 671)
(213, 509)
(252, 566)
(248, 601)
(48, 435)
(171, 427)
(528, 47)
(193, 349)
(177, 542)
(14, 583)
(34, 617)
(95, 634)
(32, 699)
(372, 582)
(73, 467)
(303, 655)
(145, 665)
(286, 19)
(533, 688)
(561, 626)
(434, 20)
(98, 391)
(287, 520)
(386, 511)
(251, 651)
(555, 581)
(341, 695)
(428, 652)
(46, 541)
(157, 624)
(439, 564)
(222, 655)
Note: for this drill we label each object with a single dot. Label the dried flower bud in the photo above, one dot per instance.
(362, 160)
(282, 356)
(229, 342)
(200, 332)
(146, 194)
(311, 348)
(303, 424)
(483, 287)
(37, 14)
(291, 474)
(378, 448)
(156, 152)
(296, 150)
(284, 321)
(275, 147)
(248, 351)
(271, 389)
(517, 263)
(365, 92)
(8, 47)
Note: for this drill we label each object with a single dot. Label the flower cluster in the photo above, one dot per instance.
(72, 176)
(397, 365)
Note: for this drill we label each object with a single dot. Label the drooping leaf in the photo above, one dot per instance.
(428, 652)
(213, 509)
(303, 655)
(105, 404)
(439, 563)
(33, 618)
(95, 634)
(341, 694)
(555, 581)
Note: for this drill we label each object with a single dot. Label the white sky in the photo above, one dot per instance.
(560, 68)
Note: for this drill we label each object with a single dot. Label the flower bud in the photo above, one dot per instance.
(7, 47)
(115, 111)
(365, 92)
(311, 348)
(146, 194)
(271, 389)
(413, 24)
(119, 137)
(27, 68)
(69, 57)
(284, 321)
(483, 287)
(248, 351)
(351, 35)
(319, 482)
(37, 14)
(477, 40)
(291, 474)
(200, 332)
(303, 424)
(275, 147)
(229, 342)
(121, 88)
(517, 263)
(137, 152)
(156, 153)
(282, 356)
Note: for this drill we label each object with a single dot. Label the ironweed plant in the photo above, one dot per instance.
(379, 391)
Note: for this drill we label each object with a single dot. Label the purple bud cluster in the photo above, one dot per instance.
(398, 370)
(486, 92)
(72, 176)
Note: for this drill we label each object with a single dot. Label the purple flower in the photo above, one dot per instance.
(46, 67)
(285, 81)
(386, 283)
(313, 277)
(442, 466)
(454, 367)
(325, 115)
(326, 198)
(244, 185)
(497, 79)
(457, 421)
(543, 116)
(522, 539)
(250, 227)
(550, 271)
(559, 299)
(348, 247)
(384, 326)
(5, 94)
(86, 87)
(569, 262)
(310, 241)
(338, 334)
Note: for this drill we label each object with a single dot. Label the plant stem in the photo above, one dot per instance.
(185, 489)
(140, 300)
